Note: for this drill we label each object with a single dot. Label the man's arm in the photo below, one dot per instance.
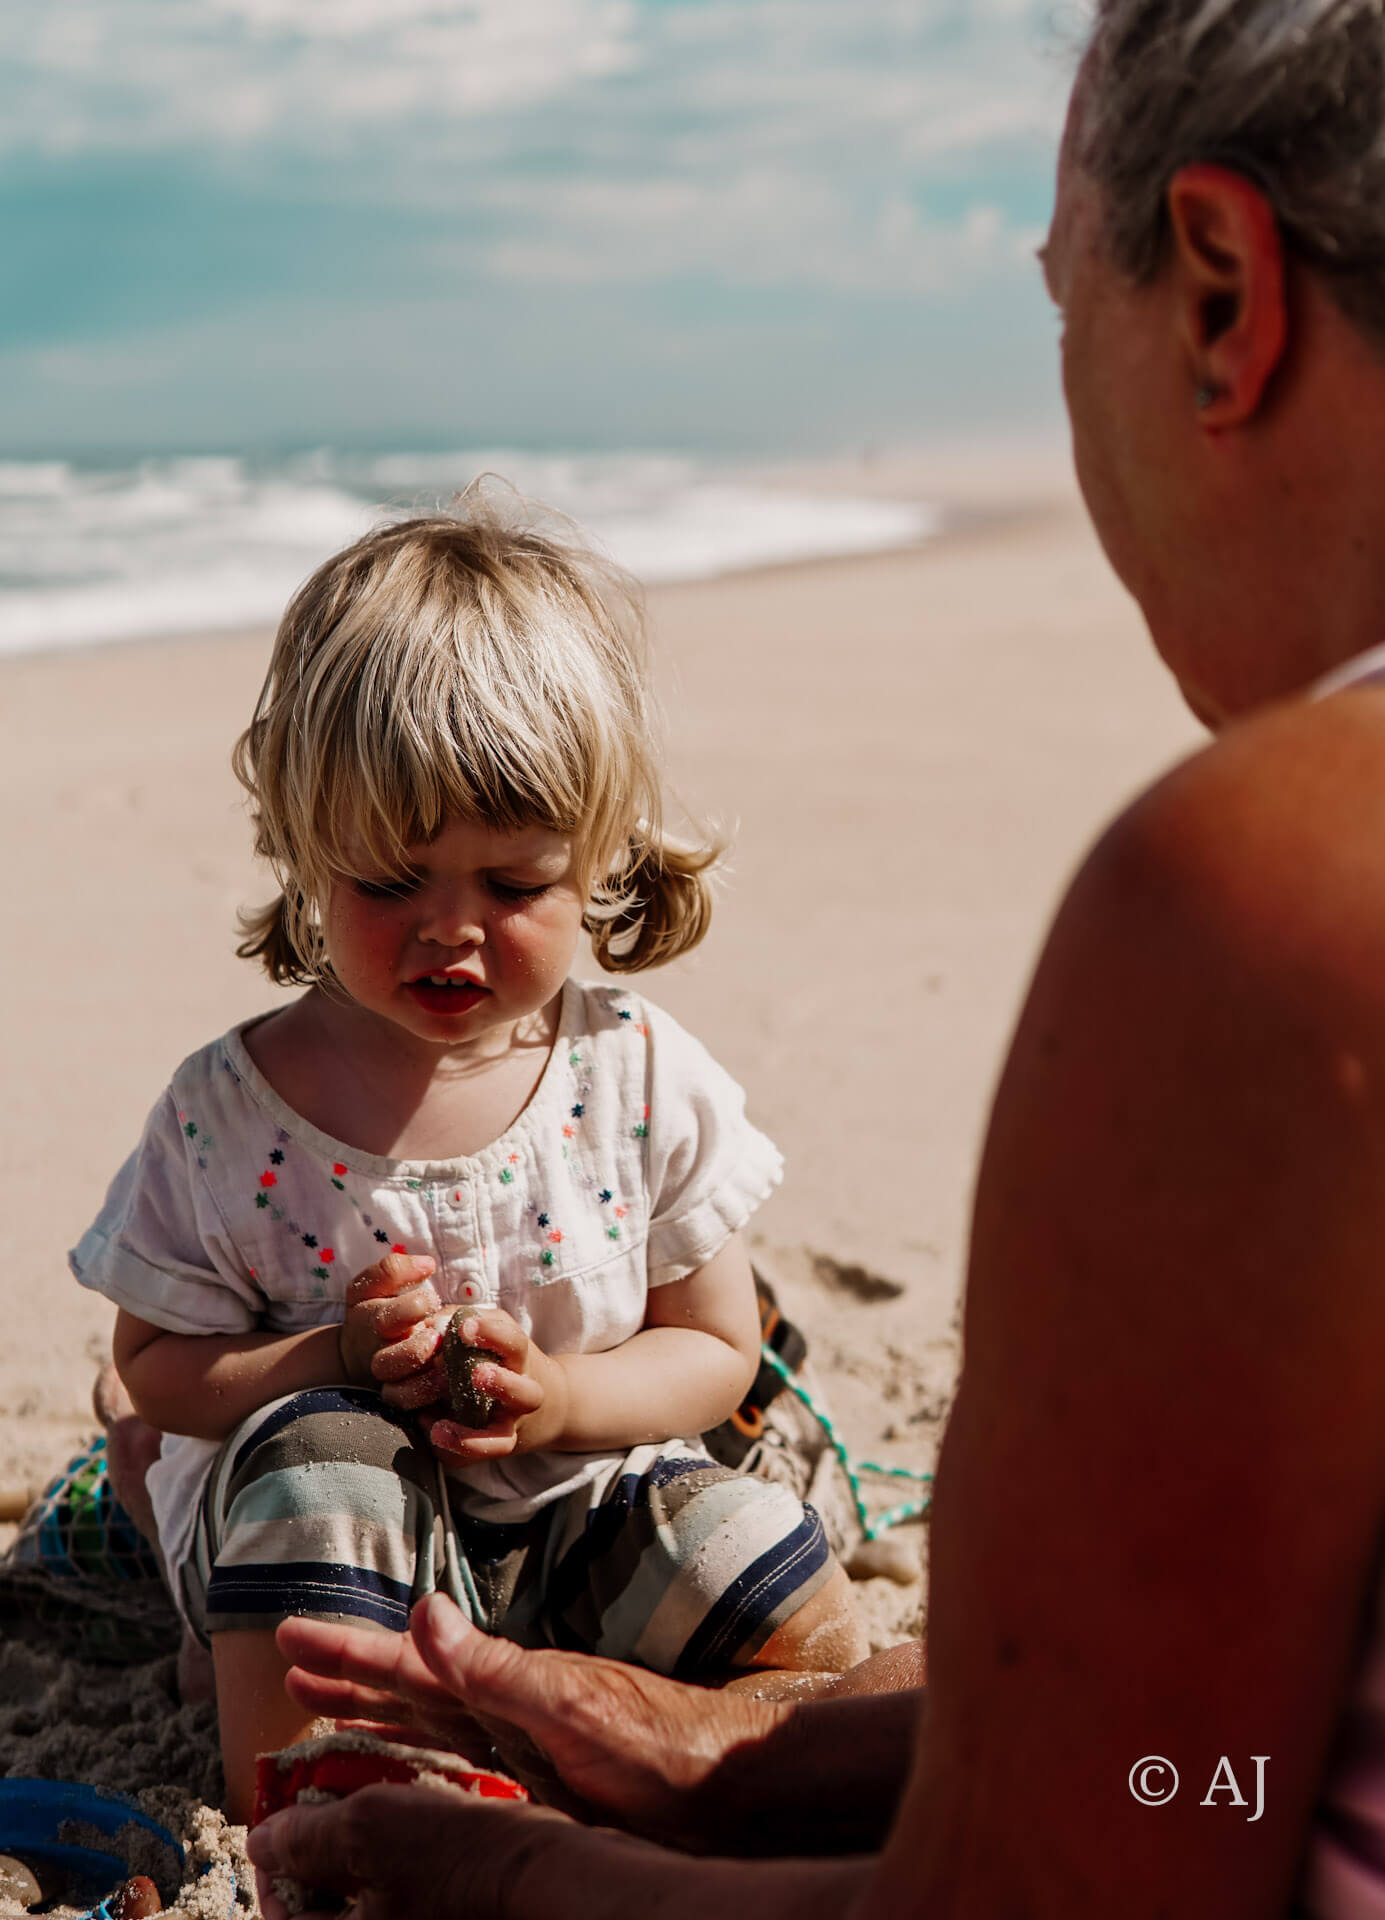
(828, 1779)
(1158, 1508)
(704, 1770)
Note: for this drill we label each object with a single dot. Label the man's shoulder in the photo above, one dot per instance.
(1268, 847)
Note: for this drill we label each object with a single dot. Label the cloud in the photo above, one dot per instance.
(315, 75)
(146, 75)
(810, 153)
(758, 229)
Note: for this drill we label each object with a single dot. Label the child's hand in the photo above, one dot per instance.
(529, 1390)
(388, 1332)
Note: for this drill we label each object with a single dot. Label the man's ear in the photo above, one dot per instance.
(1227, 258)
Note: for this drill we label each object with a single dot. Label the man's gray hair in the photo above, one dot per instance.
(1290, 93)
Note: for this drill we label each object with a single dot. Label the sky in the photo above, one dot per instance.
(750, 226)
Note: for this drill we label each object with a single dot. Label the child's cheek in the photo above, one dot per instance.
(543, 943)
(361, 940)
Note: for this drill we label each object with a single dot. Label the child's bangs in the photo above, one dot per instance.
(455, 746)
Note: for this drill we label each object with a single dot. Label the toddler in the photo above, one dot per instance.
(452, 775)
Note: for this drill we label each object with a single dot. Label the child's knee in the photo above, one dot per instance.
(825, 1635)
(322, 1504)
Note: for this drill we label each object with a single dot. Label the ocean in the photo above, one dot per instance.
(93, 553)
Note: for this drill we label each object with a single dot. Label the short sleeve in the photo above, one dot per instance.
(708, 1168)
(159, 1247)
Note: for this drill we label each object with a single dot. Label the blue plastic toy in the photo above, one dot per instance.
(33, 1814)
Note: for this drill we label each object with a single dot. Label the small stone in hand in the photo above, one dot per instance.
(471, 1405)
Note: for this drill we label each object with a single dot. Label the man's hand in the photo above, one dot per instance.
(402, 1851)
(593, 1736)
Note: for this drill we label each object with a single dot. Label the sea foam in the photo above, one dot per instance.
(184, 546)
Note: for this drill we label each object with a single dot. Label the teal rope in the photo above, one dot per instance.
(853, 1469)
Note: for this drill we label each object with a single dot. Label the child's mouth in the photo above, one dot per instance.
(441, 993)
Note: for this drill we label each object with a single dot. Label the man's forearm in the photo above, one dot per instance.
(827, 1779)
(609, 1876)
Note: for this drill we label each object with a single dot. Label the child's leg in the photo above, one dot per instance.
(254, 1714)
(132, 1447)
(323, 1504)
(693, 1570)
(824, 1638)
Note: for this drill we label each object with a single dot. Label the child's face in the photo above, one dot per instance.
(482, 934)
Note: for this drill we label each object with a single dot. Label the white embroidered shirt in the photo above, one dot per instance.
(631, 1166)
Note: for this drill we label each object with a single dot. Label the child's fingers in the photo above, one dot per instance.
(492, 1327)
(471, 1443)
(390, 1317)
(518, 1393)
(422, 1389)
(393, 1274)
(407, 1355)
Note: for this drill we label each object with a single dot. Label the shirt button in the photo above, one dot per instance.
(470, 1291)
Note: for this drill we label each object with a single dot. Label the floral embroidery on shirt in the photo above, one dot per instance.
(192, 1132)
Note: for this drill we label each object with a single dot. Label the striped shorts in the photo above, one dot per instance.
(331, 1504)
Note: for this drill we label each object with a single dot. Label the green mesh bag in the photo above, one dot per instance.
(80, 1575)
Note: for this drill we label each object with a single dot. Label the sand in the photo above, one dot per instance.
(912, 752)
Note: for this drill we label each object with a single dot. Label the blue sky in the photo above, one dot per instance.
(742, 225)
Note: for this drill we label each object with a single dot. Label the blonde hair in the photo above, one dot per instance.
(482, 664)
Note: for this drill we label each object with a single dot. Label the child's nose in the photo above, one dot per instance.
(452, 919)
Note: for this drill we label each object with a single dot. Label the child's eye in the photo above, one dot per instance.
(511, 890)
(398, 889)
